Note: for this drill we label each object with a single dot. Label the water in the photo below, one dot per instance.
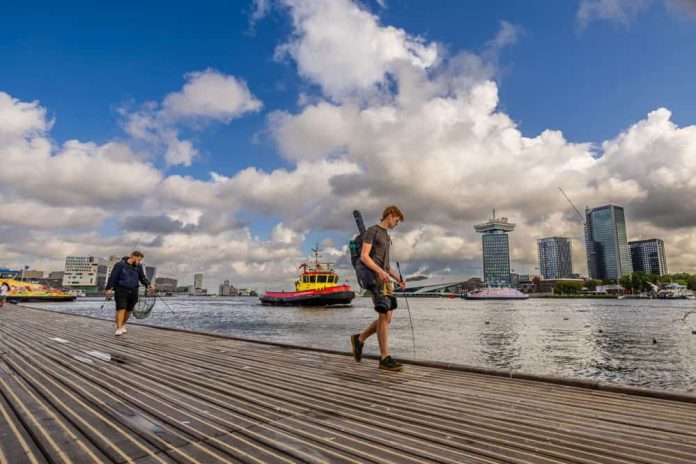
(610, 340)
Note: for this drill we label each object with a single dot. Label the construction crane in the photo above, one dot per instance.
(582, 218)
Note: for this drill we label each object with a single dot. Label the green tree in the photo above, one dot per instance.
(567, 288)
(592, 284)
(626, 281)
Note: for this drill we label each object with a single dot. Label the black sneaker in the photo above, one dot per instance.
(389, 364)
(357, 347)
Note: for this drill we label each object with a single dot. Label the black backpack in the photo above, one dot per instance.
(366, 277)
(357, 242)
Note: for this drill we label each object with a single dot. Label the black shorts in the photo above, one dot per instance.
(125, 299)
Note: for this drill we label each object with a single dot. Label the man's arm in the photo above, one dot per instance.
(369, 262)
(397, 277)
(113, 277)
(142, 277)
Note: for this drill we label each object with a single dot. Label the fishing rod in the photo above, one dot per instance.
(410, 319)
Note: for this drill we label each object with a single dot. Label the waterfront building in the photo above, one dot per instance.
(198, 281)
(166, 284)
(649, 256)
(9, 274)
(227, 290)
(496, 250)
(31, 274)
(86, 274)
(56, 275)
(48, 282)
(606, 243)
(555, 257)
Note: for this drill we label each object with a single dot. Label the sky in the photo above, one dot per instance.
(230, 137)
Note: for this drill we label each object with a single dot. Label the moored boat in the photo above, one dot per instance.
(675, 291)
(496, 293)
(317, 285)
(22, 292)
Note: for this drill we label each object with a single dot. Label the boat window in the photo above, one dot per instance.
(334, 279)
(305, 279)
(322, 279)
(313, 279)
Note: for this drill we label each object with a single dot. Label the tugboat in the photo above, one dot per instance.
(317, 286)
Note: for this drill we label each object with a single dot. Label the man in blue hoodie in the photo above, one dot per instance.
(126, 277)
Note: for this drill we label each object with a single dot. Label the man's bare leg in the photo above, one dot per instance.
(371, 329)
(120, 317)
(383, 334)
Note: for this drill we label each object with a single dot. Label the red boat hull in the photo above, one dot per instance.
(340, 295)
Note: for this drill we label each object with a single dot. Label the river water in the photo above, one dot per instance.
(637, 342)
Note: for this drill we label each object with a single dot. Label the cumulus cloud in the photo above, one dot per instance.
(76, 174)
(368, 51)
(208, 96)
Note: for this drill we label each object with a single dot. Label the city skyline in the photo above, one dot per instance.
(237, 160)
(555, 254)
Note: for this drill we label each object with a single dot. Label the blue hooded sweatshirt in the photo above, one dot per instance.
(128, 276)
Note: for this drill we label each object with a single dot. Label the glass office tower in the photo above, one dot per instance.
(649, 256)
(608, 254)
(555, 257)
(496, 250)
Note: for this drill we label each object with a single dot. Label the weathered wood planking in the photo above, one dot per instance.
(72, 392)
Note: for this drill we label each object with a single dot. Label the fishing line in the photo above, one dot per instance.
(165, 304)
(410, 319)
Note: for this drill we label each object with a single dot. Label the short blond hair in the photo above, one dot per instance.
(392, 210)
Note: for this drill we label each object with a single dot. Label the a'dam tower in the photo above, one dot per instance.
(496, 250)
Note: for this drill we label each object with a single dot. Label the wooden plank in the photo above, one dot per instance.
(236, 401)
(16, 445)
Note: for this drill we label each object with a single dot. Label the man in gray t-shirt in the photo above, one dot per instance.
(375, 257)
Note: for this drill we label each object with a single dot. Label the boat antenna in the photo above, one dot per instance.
(315, 252)
(410, 319)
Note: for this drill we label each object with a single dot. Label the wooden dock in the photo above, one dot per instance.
(71, 392)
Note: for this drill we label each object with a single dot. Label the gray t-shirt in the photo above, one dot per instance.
(379, 239)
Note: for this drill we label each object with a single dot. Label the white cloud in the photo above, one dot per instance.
(345, 50)
(76, 174)
(19, 119)
(208, 96)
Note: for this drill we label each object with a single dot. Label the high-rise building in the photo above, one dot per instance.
(166, 284)
(496, 249)
(151, 273)
(606, 243)
(198, 281)
(85, 273)
(649, 256)
(555, 257)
